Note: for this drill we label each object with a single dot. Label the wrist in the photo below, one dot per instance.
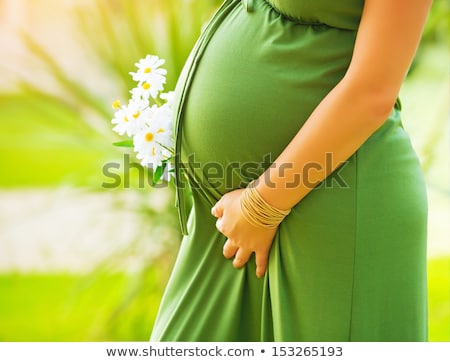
(258, 212)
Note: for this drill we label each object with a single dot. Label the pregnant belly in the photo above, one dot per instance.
(257, 82)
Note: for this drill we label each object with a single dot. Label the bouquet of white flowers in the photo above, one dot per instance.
(147, 118)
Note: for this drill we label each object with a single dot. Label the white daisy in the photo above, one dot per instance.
(169, 97)
(146, 90)
(154, 142)
(150, 77)
(149, 143)
(148, 69)
(149, 126)
(121, 121)
(132, 118)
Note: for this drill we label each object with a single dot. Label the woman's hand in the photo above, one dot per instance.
(243, 238)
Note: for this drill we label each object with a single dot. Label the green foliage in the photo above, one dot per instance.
(439, 299)
(39, 150)
(65, 128)
(126, 143)
(60, 134)
(100, 307)
(122, 307)
(436, 32)
(437, 29)
(128, 30)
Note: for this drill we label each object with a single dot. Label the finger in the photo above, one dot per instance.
(220, 226)
(229, 250)
(217, 209)
(262, 258)
(241, 258)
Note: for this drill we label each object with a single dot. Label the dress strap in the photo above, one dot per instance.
(248, 5)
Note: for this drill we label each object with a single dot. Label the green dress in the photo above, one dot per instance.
(349, 262)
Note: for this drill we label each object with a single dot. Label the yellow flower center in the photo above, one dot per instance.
(146, 85)
(161, 130)
(137, 114)
(147, 70)
(126, 119)
(153, 151)
(149, 137)
(116, 104)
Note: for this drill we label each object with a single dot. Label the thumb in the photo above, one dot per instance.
(217, 209)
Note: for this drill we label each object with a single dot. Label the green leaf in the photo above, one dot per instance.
(159, 172)
(127, 143)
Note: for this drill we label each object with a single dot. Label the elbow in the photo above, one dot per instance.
(375, 104)
(379, 107)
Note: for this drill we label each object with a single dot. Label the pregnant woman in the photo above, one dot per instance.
(300, 197)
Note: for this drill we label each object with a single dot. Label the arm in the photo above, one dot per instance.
(386, 42)
(360, 103)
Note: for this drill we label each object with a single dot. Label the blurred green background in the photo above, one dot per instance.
(79, 262)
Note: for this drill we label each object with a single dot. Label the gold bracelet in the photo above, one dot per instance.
(258, 212)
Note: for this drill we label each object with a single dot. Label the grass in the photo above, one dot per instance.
(62, 307)
(116, 307)
(439, 299)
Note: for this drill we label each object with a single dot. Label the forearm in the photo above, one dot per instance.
(334, 131)
(386, 42)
